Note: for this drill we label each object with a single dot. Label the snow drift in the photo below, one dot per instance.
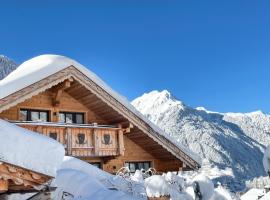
(29, 150)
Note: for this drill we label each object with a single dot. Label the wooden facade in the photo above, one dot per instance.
(112, 134)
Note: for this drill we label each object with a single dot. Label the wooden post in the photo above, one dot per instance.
(69, 141)
(3, 186)
(96, 142)
(121, 140)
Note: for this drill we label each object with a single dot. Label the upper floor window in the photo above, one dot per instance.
(71, 117)
(34, 115)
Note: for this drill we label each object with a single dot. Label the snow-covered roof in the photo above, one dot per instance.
(40, 67)
(29, 150)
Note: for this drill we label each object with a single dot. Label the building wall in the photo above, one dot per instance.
(44, 101)
(133, 152)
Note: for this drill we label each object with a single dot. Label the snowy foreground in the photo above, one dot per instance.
(78, 180)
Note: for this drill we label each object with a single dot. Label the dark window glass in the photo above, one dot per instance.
(146, 165)
(53, 135)
(69, 117)
(43, 116)
(34, 115)
(79, 118)
(96, 164)
(133, 166)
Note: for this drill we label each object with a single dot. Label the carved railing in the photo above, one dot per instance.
(82, 140)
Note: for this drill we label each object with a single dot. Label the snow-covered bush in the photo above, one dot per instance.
(203, 187)
(220, 193)
(156, 186)
(137, 177)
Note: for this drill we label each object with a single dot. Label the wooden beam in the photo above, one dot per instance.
(64, 85)
(121, 140)
(128, 129)
(59, 91)
(96, 142)
(3, 185)
(56, 100)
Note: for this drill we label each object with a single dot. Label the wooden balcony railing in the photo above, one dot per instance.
(82, 140)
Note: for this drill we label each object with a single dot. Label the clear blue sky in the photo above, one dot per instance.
(214, 54)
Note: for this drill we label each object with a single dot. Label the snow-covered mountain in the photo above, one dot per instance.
(234, 141)
(6, 66)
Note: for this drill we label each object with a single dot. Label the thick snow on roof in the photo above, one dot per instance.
(40, 67)
(29, 150)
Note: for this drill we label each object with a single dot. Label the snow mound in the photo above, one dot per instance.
(29, 150)
(205, 186)
(221, 194)
(137, 177)
(253, 194)
(266, 196)
(156, 186)
(92, 171)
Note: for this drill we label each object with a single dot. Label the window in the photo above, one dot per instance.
(133, 166)
(68, 117)
(53, 135)
(96, 164)
(34, 115)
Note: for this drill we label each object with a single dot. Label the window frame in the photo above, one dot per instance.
(29, 114)
(74, 118)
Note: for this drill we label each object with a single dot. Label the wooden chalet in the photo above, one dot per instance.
(58, 97)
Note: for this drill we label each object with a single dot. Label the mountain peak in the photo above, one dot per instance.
(158, 98)
(6, 66)
(225, 139)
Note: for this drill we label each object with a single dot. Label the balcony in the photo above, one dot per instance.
(82, 140)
